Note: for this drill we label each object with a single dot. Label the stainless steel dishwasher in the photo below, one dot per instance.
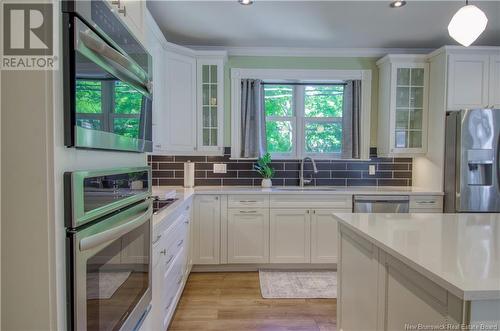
(381, 204)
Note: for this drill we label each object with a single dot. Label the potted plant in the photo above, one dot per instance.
(263, 167)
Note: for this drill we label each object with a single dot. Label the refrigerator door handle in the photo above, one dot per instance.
(497, 156)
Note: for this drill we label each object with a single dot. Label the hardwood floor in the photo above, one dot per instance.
(232, 302)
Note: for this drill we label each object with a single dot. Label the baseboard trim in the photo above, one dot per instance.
(256, 267)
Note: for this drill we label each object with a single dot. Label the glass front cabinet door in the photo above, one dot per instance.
(210, 104)
(403, 106)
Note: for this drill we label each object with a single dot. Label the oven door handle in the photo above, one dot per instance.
(124, 68)
(116, 232)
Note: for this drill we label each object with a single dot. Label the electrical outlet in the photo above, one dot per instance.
(220, 168)
(371, 169)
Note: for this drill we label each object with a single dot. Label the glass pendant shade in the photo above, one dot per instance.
(467, 24)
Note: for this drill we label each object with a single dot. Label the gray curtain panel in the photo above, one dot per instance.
(351, 120)
(253, 121)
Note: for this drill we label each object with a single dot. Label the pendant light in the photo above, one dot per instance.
(467, 24)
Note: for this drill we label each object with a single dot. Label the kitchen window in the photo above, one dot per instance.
(304, 119)
(293, 113)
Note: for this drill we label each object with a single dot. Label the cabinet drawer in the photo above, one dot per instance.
(311, 201)
(248, 201)
(426, 202)
(172, 281)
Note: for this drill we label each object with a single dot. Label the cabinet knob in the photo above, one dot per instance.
(216, 198)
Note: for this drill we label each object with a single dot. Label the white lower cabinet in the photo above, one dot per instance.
(290, 239)
(379, 292)
(206, 232)
(324, 235)
(495, 82)
(359, 284)
(170, 266)
(426, 204)
(248, 235)
(405, 288)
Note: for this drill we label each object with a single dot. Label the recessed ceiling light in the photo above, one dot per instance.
(245, 2)
(398, 3)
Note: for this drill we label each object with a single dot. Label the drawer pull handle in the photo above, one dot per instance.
(169, 259)
(248, 211)
(431, 201)
(186, 222)
(157, 239)
(180, 243)
(248, 201)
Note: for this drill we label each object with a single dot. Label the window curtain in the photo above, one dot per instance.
(253, 121)
(351, 115)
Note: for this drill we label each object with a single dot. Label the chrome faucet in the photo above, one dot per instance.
(306, 181)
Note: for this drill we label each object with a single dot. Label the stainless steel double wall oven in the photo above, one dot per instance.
(107, 80)
(108, 222)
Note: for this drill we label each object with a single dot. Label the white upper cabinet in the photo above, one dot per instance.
(495, 81)
(179, 125)
(473, 79)
(210, 99)
(188, 96)
(403, 104)
(133, 14)
(468, 81)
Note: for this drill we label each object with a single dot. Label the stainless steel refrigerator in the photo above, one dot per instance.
(472, 166)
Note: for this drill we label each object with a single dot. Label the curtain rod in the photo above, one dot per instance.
(302, 83)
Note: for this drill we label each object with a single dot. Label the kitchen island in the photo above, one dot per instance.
(419, 271)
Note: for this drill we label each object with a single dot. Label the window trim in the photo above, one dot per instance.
(284, 75)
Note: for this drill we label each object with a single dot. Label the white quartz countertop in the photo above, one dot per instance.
(336, 190)
(460, 252)
(182, 196)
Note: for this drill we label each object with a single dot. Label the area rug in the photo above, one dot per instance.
(276, 284)
(104, 284)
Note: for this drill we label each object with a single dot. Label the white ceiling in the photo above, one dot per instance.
(316, 24)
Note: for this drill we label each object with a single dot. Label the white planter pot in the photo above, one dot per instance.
(267, 183)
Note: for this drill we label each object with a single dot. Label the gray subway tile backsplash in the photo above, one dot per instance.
(169, 170)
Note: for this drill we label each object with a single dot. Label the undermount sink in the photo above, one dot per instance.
(306, 188)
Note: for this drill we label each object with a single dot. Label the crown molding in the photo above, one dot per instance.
(315, 52)
(463, 49)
